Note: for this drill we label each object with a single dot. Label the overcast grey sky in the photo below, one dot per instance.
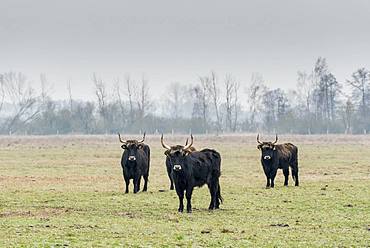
(180, 40)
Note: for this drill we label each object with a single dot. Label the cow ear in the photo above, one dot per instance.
(123, 147)
(140, 146)
(166, 152)
(274, 148)
(259, 147)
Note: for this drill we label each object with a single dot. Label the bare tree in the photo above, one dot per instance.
(360, 84)
(130, 94)
(231, 90)
(175, 99)
(70, 99)
(236, 105)
(255, 93)
(304, 91)
(347, 116)
(45, 89)
(214, 93)
(143, 101)
(101, 95)
(23, 98)
(117, 90)
(200, 108)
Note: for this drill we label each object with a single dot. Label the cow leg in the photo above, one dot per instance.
(180, 194)
(170, 177)
(127, 182)
(139, 183)
(171, 186)
(295, 174)
(286, 176)
(145, 183)
(189, 192)
(267, 182)
(136, 184)
(218, 197)
(272, 176)
(213, 191)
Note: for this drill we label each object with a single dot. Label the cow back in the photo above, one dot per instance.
(205, 163)
(287, 151)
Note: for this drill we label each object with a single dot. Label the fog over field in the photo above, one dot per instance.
(201, 66)
(170, 41)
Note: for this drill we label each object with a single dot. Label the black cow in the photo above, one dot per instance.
(276, 157)
(194, 169)
(168, 163)
(135, 162)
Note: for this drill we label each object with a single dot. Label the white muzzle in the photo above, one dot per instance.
(177, 167)
(132, 158)
(266, 157)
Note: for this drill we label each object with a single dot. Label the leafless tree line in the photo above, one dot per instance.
(212, 104)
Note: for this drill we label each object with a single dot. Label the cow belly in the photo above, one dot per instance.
(200, 176)
(129, 172)
(199, 182)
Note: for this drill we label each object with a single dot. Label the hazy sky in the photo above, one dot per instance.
(180, 40)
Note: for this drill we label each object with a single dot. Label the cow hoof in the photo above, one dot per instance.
(180, 210)
(189, 211)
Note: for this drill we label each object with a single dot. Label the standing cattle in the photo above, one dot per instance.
(191, 169)
(168, 163)
(276, 157)
(135, 162)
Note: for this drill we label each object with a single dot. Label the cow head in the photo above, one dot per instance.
(177, 154)
(267, 148)
(131, 146)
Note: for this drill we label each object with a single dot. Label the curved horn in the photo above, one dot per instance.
(276, 140)
(186, 142)
(164, 145)
(120, 139)
(142, 139)
(191, 142)
(258, 139)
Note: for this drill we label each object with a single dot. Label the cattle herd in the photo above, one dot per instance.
(188, 168)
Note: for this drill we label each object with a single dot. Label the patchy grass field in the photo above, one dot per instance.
(68, 191)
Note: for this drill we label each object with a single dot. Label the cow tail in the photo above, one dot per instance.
(219, 194)
(293, 176)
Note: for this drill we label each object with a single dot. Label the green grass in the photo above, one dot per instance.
(68, 191)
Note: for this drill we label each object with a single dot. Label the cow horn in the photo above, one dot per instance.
(191, 142)
(258, 139)
(142, 139)
(186, 142)
(276, 139)
(164, 145)
(120, 139)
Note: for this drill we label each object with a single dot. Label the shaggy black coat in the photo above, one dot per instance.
(195, 169)
(135, 164)
(274, 157)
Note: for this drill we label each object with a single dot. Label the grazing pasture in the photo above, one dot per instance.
(68, 191)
